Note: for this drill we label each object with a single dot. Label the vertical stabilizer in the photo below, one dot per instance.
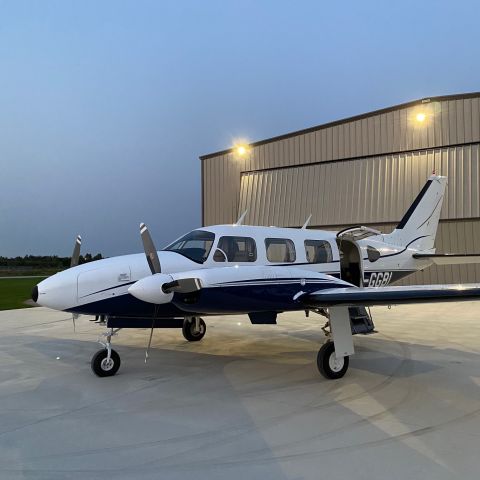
(418, 227)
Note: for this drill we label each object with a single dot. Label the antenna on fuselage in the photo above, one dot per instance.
(307, 221)
(240, 219)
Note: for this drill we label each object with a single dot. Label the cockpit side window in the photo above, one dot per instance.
(280, 250)
(195, 245)
(318, 251)
(236, 249)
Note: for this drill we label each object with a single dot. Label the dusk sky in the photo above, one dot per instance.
(105, 106)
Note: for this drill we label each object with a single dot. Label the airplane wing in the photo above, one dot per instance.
(449, 258)
(368, 296)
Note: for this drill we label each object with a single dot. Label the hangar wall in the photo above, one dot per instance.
(365, 169)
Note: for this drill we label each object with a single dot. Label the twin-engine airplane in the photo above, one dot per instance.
(261, 271)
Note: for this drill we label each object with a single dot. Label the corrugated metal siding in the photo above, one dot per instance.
(448, 122)
(221, 189)
(371, 190)
(461, 236)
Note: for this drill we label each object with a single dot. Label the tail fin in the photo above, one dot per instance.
(418, 227)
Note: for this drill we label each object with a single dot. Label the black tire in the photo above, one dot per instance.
(327, 363)
(189, 333)
(99, 366)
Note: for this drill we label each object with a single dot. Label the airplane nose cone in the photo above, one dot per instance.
(58, 291)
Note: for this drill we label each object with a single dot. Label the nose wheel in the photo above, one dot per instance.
(103, 365)
(329, 365)
(106, 362)
(194, 329)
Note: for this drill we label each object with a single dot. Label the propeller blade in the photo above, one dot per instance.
(74, 317)
(151, 336)
(150, 250)
(183, 285)
(76, 252)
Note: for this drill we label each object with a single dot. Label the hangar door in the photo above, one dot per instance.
(286, 197)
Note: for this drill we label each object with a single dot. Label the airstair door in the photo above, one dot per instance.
(351, 266)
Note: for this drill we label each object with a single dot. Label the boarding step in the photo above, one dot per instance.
(361, 321)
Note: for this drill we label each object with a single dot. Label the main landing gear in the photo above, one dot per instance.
(333, 356)
(329, 365)
(194, 329)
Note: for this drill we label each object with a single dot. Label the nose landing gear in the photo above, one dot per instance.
(194, 329)
(106, 362)
(103, 366)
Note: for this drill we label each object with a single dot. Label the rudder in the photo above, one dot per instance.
(418, 227)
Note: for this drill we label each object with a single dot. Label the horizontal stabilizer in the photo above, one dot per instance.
(449, 258)
(352, 296)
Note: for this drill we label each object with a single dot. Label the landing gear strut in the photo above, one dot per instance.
(194, 329)
(106, 362)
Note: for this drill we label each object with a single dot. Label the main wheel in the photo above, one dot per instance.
(190, 333)
(328, 364)
(103, 367)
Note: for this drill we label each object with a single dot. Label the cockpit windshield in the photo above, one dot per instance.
(195, 245)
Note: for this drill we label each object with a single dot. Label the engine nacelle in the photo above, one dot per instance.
(150, 289)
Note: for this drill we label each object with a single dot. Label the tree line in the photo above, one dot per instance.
(45, 261)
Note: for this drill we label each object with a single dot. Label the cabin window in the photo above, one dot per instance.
(372, 253)
(236, 249)
(195, 245)
(318, 251)
(280, 250)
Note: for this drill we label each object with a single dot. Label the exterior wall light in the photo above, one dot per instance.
(241, 150)
(420, 117)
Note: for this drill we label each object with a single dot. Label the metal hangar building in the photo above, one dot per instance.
(363, 170)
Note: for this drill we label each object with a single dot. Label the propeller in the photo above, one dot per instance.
(76, 252)
(159, 289)
(154, 264)
(150, 250)
(159, 286)
(183, 285)
(73, 263)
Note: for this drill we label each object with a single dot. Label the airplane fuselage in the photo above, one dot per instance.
(101, 287)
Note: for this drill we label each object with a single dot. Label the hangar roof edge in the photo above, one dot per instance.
(347, 120)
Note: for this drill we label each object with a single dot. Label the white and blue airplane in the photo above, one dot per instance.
(260, 271)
